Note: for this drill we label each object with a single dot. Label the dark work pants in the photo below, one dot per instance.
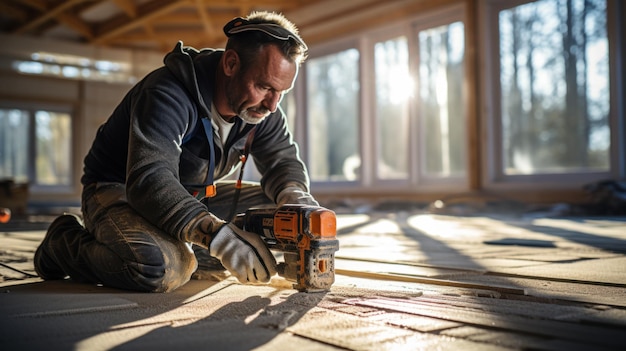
(119, 248)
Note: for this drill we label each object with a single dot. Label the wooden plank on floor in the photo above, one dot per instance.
(588, 334)
(422, 280)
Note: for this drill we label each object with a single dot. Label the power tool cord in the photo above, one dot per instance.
(18, 270)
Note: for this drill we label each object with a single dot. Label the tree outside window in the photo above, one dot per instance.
(332, 88)
(554, 78)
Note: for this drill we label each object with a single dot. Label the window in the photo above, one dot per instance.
(441, 101)
(389, 113)
(546, 113)
(554, 87)
(74, 67)
(53, 144)
(15, 150)
(332, 92)
(36, 147)
(393, 91)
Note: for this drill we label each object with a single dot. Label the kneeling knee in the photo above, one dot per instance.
(163, 272)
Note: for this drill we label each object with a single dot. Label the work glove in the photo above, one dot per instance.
(295, 195)
(202, 229)
(244, 254)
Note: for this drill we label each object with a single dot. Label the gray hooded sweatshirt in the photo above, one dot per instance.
(154, 142)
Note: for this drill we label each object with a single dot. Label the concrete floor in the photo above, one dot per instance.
(406, 280)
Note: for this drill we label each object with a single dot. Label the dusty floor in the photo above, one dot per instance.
(406, 280)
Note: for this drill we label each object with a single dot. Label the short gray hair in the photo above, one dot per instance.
(247, 43)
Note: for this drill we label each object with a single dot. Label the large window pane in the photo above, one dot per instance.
(53, 142)
(35, 147)
(14, 146)
(441, 107)
(333, 110)
(555, 87)
(394, 88)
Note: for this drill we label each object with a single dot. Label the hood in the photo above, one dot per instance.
(187, 64)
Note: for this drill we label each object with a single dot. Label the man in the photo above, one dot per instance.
(148, 183)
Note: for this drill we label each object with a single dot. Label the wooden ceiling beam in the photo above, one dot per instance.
(319, 26)
(146, 13)
(48, 14)
(127, 6)
(187, 18)
(13, 12)
(204, 17)
(194, 21)
(180, 18)
(76, 24)
(39, 5)
(169, 36)
(239, 3)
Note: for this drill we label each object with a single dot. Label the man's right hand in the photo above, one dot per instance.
(244, 254)
(202, 229)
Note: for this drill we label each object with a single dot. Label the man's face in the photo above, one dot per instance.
(254, 92)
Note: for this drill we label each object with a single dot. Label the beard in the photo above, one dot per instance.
(245, 115)
(236, 104)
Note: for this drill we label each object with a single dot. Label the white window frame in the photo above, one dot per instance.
(493, 170)
(368, 137)
(302, 125)
(31, 108)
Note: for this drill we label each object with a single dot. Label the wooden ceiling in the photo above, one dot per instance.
(158, 24)
(140, 24)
